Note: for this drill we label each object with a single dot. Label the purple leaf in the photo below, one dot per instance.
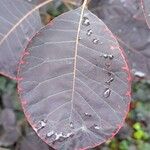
(8, 119)
(32, 142)
(125, 19)
(75, 83)
(146, 9)
(9, 137)
(19, 23)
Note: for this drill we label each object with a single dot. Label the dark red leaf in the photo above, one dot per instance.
(19, 23)
(8, 118)
(75, 83)
(9, 137)
(126, 21)
(146, 9)
(32, 142)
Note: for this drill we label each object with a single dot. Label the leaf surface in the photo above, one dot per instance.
(146, 9)
(32, 141)
(19, 21)
(125, 19)
(75, 82)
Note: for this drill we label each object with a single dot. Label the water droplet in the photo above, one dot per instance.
(70, 135)
(88, 115)
(61, 137)
(71, 125)
(111, 56)
(43, 124)
(58, 136)
(49, 134)
(96, 127)
(108, 56)
(107, 92)
(89, 32)
(139, 74)
(105, 56)
(110, 80)
(79, 38)
(35, 129)
(86, 21)
(95, 41)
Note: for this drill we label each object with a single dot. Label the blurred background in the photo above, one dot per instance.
(126, 20)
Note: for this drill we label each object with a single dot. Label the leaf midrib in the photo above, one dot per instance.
(75, 55)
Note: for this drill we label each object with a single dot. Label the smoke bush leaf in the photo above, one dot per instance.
(75, 83)
(146, 9)
(19, 21)
(31, 142)
(122, 17)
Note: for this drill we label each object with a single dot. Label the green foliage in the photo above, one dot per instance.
(113, 144)
(2, 83)
(123, 145)
(141, 90)
(55, 11)
(6, 85)
(138, 134)
(137, 126)
(143, 146)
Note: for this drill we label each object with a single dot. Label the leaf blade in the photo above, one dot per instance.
(146, 10)
(98, 107)
(16, 31)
